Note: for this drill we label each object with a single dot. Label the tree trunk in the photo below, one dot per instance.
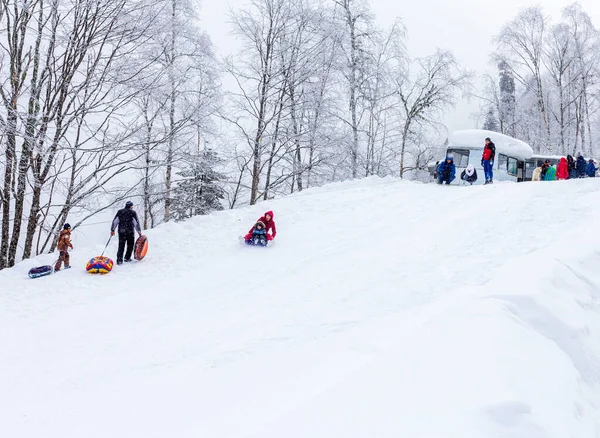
(403, 149)
(171, 113)
(11, 123)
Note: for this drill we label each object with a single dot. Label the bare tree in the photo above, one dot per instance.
(424, 95)
(521, 43)
(358, 27)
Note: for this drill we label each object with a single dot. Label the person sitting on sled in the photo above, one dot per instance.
(258, 236)
(269, 224)
(63, 245)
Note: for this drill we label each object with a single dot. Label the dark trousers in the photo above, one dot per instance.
(128, 239)
(447, 180)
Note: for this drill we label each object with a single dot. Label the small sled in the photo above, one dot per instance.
(141, 248)
(40, 271)
(99, 265)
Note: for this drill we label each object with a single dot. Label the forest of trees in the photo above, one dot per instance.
(547, 90)
(108, 100)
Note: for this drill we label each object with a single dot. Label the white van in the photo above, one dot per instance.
(466, 147)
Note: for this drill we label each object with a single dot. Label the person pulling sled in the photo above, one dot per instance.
(127, 221)
(63, 245)
(259, 233)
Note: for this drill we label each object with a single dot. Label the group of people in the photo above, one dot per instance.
(567, 168)
(126, 223)
(259, 233)
(446, 171)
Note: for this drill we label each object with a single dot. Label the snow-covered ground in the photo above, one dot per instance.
(384, 309)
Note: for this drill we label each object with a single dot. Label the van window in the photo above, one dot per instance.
(502, 162)
(461, 156)
(512, 166)
(530, 165)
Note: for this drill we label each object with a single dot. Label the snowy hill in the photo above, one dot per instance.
(384, 309)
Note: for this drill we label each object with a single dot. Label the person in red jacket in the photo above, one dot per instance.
(562, 170)
(487, 160)
(266, 219)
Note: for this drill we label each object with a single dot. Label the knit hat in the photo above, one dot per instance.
(67, 227)
(470, 169)
(128, 204)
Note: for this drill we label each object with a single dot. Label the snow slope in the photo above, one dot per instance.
(384, 309)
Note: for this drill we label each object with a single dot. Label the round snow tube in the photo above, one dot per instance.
(99, 265)
(141, 248)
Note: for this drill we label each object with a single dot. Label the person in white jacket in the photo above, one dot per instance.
(469, 174)
(537, 174)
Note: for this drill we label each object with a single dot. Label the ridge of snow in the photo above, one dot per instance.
(475, 138)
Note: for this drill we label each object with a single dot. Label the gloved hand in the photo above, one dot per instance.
(112, 233)
(140, 233)
(492, 163)
(482, 162)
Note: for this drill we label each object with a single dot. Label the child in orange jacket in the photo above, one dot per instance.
(63, 245)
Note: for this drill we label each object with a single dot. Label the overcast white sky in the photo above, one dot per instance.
(464, 26)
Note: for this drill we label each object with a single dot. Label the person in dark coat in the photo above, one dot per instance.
(572, 167)
(581, 165)
(469, 174)
(446, 171)
(591, 169)
(128, 223)
(487, 160)
(545, 168)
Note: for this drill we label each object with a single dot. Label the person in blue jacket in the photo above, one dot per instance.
(446, 171)
(591, 169)
(581, 165)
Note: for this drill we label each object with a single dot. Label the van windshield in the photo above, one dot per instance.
(461, 156)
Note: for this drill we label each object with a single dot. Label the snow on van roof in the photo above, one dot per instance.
(475, 138)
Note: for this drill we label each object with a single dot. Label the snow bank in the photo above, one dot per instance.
(385, 308)
(475, 138)
(516, 357)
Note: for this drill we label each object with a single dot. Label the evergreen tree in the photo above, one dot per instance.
(199, 191)
(507, 108)
(491, 123)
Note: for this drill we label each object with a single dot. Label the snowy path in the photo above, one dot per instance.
(365, 319)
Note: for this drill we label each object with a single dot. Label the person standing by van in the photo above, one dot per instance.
(487, 160)
(581, 165)
(591, 169)
(562, 171)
